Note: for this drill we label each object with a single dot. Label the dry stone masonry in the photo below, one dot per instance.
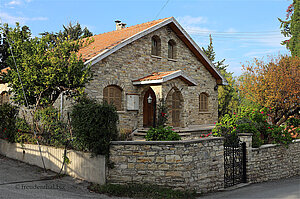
(196, 164)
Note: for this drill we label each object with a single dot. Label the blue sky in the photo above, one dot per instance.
(241, 29)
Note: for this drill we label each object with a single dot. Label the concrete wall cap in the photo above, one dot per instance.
(166, 142)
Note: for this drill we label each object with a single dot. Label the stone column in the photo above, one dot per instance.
(247, 138)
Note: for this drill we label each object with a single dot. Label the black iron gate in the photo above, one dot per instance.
(234, 163)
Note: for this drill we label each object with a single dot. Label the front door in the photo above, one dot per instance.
(149, 108)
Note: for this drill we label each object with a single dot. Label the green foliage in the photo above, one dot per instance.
(52, 130)
(142, 191)
(162, 134)
(46, 68)
(8, 115)
(24, 134)
(94, 126)
(70, 32)
(293, 121)
(291, 28)
(228, 99)
(252, 120)
(162, 117)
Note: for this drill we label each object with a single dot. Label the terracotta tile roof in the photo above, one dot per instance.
(111, 39)
(155, 76)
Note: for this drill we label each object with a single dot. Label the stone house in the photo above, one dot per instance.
(136, 67)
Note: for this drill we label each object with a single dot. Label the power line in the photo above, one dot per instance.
(162, 9)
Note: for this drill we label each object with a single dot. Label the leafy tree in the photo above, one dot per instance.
(274, 85)
(291, 28)
(22, 34)
(45, 69)
(70, 32)
(228, 100)
(210, 53)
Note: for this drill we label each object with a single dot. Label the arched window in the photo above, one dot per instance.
(203, 102)
(155, 46)
(171, 49)
(113, 95)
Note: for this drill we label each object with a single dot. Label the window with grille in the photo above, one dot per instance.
(113, 95)
(155, 47)
(203, 102)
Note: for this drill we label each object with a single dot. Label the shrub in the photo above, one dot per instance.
(24, 134)
(162, 117)
(8, 115)
(51, 128)
(94, 126)
(251, 120)
(162, 134)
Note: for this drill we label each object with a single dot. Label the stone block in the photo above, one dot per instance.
(173, 159)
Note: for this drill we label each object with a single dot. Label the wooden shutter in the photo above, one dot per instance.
(170, 50)
(175, 109)
(113, 95)
(203, 102)
(154, 47)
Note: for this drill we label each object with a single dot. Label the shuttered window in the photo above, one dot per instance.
(155, 46)
(171, 49)
(113, 95)
(176, 109)
(203, 102)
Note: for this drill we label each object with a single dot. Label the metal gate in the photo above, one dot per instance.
(234, 163)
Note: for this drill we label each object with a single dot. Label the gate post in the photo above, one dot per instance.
(246, 138)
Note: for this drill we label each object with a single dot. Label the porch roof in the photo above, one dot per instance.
(161, 77)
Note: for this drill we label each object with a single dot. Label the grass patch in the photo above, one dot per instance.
(142, 191)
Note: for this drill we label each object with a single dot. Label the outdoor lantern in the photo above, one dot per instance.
(149, 99)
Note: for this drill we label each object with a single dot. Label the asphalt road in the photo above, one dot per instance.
(20, 180)
(279, 189)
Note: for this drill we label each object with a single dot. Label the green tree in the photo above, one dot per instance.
(22, 34)
(228, 99)
(70, 32)
(45, 69)
(290, 27)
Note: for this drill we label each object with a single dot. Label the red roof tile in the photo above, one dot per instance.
(111, 39)
(155, 76)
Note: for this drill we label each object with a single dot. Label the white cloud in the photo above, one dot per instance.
(14, 2)
(6, 18)
(189, 20)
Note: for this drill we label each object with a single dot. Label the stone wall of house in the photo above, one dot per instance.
(134, 61)
(196, 164)
(270, 162)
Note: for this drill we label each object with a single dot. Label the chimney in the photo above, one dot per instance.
(119, 25)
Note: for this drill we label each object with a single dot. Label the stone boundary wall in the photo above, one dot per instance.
(270, 162)
(194, 164)
(82, 165)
